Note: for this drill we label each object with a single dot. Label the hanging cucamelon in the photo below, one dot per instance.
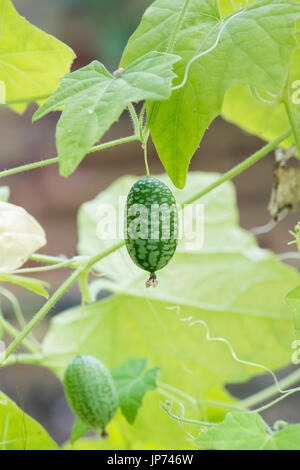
(151, 225)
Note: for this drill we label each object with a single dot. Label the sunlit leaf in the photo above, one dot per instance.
(19, 431)
(31, 61)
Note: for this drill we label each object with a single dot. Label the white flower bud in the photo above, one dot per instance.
(20, 236)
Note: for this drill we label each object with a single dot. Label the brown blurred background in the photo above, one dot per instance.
(99, 29)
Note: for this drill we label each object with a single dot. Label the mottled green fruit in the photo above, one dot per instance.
(90, 391)
(151, 224)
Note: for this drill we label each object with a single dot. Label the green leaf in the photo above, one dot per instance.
(293, 299)
(178, 125)
(4, 193)
(247, 431)
(235, 287)
(267, 116)
(94, 100)
(31, 60)
(35, 285)
(19, 431)
(132, 382)
(79, 430)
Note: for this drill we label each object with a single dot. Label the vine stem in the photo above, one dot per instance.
(269, 392)
(135, 119)
(19, 314)
(32, 99)
(235, 171)
(56, 296)
(43, 312)
(51, 161)
(39, 258)
(15, 305)
(186, 420)
(32, 359)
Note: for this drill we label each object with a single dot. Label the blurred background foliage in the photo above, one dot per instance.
(99, 29)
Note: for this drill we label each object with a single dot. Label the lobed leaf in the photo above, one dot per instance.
(132, 382)
(248, 431)
(20, 236)
(254, 46)
(94, 100)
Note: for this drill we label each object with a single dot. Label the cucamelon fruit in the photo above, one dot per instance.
(91, 392)
(151, 225)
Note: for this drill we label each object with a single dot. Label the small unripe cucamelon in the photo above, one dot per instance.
(90, 391)
(151, 224)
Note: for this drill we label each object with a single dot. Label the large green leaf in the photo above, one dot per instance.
(247, 431)
(266, 116)
(18, 431)
(188, 28)
(293, 299)
(31, 61)
(231, 284)
(94, 99)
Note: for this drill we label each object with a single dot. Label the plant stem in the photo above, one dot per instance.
(240, 167)
(15, 305)
(103, 254)
(141, 121)
(43, 311)
(293, 123)
(135, 119)
(16, 334)
(51, 161)
(19, 314)
(269, 392)
(176, 393)
(186, 420)
(75, 275)
(274, 402)
(63, 264)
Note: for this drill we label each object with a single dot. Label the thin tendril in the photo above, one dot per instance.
(207, 51)
(232, 352)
